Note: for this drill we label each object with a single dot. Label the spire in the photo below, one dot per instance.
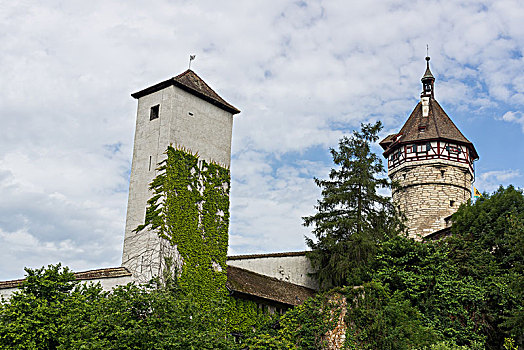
(428, 81)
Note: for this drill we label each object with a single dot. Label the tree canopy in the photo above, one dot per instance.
(352, 216)
(53, 311)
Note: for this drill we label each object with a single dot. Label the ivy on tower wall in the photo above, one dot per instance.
(190, 209)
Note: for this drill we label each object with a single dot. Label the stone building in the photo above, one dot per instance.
(432, 162)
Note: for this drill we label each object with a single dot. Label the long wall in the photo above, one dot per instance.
(118, 277)
(291, 267)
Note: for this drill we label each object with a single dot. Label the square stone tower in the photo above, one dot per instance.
(432, 162)
(184, 112)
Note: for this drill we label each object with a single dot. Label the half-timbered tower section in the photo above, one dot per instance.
(432, 161)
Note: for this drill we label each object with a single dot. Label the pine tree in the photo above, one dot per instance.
(352, 216)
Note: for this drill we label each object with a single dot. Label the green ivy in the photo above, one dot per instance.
(190, 209)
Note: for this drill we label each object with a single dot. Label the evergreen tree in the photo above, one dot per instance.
(352, 216)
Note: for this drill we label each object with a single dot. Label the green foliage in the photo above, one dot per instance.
(352, 217)
(190, 208)
(52, 311)
(133, 317)
(449, 345)
(509, 344)
(422, 273)
(381, 320)
(468, 287)
(303, 327)
(33, 318)
(306, 324)
(268, 342)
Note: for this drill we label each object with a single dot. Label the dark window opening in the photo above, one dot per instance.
(153, 114)
(428, 147)
(453, 149)
(442, 172)
(451, 203)
(190, 114)
(150, 159)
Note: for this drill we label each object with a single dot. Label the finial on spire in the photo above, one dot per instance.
(191, 58)
(428, 79)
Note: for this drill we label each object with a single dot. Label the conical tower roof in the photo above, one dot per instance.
(436, 126)
(192, 83)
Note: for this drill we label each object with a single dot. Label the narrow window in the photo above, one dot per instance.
(428, 147)
(190, 114)
(442, 172)
(153, 114)
(451, 203)
(150, 159)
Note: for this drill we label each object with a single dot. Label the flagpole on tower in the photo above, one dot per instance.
(191, 58)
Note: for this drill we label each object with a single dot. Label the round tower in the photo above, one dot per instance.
(432, 163)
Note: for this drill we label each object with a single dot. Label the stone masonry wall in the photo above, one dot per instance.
(430, 191)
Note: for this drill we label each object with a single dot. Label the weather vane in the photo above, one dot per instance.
(191, 58)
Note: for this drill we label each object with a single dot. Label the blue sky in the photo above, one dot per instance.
(302, 73)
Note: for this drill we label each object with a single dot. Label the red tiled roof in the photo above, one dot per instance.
(192, 83)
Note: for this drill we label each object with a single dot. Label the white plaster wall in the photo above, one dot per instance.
(185, 121)
(107, 284)
(293, 269)
(6, 293)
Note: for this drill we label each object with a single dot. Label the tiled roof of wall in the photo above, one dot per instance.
(251, 283)
(111, 272)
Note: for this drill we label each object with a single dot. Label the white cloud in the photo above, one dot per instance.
(490, 180)
(514, 117)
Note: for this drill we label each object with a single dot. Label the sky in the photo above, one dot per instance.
(303, 73)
